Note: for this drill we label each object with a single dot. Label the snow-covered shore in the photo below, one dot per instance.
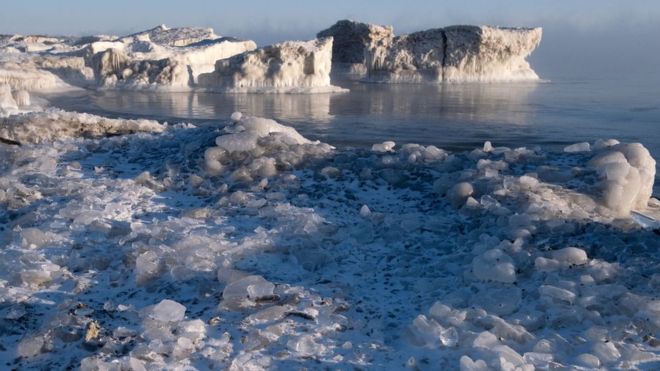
(244, 245)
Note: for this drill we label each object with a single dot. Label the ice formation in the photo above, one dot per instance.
(485, 54)
(627, 174)
(352, 41)
(52, 124)
(288, 67)
(160, 58)
(449, 54)
(248, 246)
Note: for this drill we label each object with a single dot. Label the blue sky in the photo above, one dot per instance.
(612, 33)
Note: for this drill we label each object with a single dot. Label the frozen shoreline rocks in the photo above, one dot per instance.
(288, 67)
(449, 54)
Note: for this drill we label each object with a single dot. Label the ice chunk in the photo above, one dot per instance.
(459, 193)
(588, 360)
(236, 116)
(168, 311)
(31, 346)
(387, 146)
(557, 293)
(248, 130)
(34, 237)
(247, 288)
(570, 256)
(147, 266)
(429, 333)
(627, 174)
(365, 211)
(603, 144)
(467, 364)
(578, 147)
(606, 352)
(494, 265)
(306, 346)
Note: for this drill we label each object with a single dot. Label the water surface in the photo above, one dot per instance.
(454, 116)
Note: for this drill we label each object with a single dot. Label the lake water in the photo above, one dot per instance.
(551, 114)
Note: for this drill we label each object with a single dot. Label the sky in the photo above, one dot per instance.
(596, 37)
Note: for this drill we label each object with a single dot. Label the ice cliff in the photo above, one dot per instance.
(450, 54)
(288, 67)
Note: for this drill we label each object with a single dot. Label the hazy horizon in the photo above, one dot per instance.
(592, 39)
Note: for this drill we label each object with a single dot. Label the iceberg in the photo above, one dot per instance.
(159, 58)
(288, 67)
(449, 54)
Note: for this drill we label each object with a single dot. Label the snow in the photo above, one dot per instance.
(243, 244)
(288, 67)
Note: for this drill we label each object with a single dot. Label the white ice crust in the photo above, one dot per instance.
(253, 247)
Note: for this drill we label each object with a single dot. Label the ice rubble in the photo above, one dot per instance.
(52, 124)
(449, 54)
(251, 247)
(288, 67)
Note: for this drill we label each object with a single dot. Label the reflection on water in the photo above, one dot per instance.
(501, 103)
(453, 116)
(437, 114)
